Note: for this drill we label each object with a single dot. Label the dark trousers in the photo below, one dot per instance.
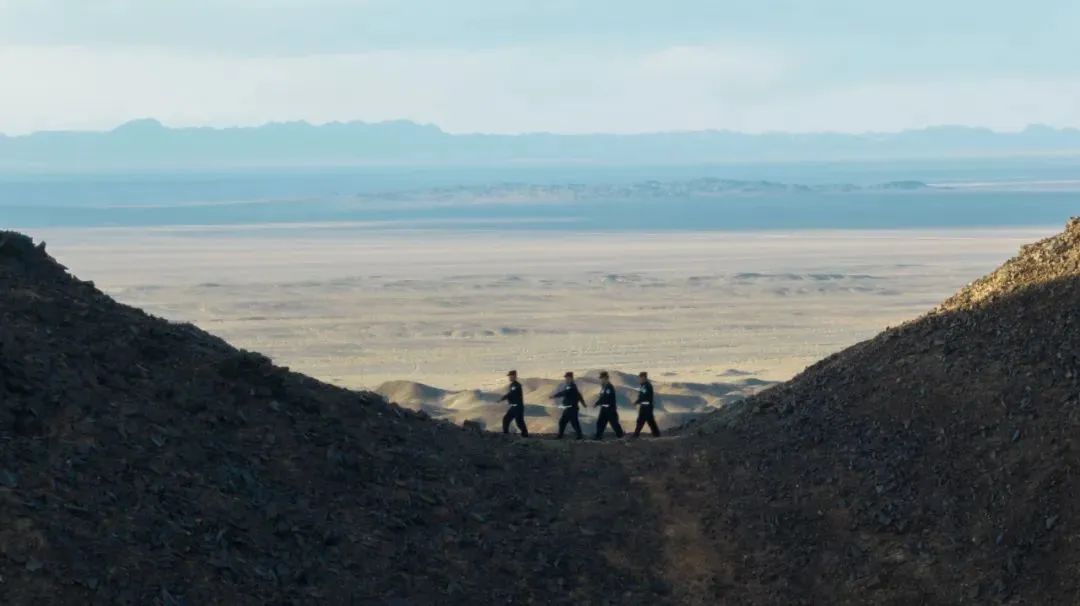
(644, 415)
(517, 415)
(608, 415)
(569, 415)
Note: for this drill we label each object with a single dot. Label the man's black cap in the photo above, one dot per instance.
(603, 374)
(643, 374)
(568, 375)
(512, 373)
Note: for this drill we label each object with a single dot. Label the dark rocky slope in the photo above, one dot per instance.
(144, 462)
(935, 463)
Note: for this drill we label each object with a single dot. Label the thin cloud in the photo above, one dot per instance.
(505, 90)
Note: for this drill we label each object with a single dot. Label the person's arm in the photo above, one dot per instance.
(503, 399)
(581, 398)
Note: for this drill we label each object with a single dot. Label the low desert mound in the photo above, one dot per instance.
(677, 403)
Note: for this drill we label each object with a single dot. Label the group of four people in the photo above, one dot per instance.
(571, 401)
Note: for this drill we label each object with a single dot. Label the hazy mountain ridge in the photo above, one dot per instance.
(148, 144)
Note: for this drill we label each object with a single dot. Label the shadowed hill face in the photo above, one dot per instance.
(932, 464)
(146, 462)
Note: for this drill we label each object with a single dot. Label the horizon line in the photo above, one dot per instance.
(150, 122)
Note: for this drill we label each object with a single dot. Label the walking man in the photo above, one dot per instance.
(609, 410)
(516, 412)
(645, 403)
(571, 398)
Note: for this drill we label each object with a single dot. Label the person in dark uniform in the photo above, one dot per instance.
(645, 401)
(609, 410)
(571, 398)
(516, 412)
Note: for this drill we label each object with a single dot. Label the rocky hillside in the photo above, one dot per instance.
(1046, 261)
(143, 462)
(934, 463)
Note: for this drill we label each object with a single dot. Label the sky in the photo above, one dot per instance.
(510, 66)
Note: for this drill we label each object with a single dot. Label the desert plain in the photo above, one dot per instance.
(433, 319)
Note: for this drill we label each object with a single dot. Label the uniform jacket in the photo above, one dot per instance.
(607, 398)
(570, 396)
(645, 394)
(515, 396)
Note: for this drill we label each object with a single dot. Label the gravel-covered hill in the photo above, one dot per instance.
(934, 463)
(143, 462)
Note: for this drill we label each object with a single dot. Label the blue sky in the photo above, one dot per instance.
(554, 65)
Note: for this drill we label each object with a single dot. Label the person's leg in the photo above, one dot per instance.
(576, 423)
(520, 418)
(563, 420)
(615, 426)
(506, 420)
(653, 427)
(640, 421)
(601, 424)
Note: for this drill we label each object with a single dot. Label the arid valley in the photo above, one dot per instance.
(433, 319)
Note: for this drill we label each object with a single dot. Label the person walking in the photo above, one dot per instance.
(609, 409)
(571, 398)
(645, 402)
(516, 412)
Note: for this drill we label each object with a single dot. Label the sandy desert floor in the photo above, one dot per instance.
(360, 305)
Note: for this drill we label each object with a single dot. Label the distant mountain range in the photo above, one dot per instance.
(147, 144)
